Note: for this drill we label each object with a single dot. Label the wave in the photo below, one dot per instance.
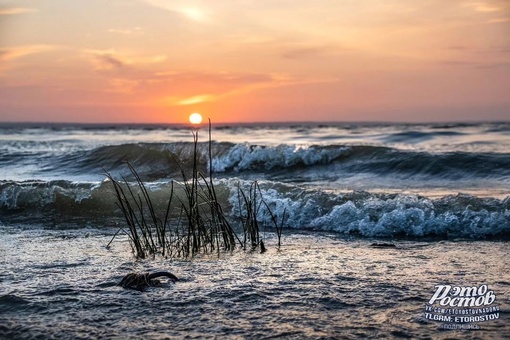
(11, 302)
(242, 157)
(419, 136)
(357, 213)
(365, 159)
(166, 160)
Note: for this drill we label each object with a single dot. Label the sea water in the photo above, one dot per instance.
(377, 215)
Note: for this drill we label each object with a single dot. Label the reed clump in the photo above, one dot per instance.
(194, 221)
(251, 209)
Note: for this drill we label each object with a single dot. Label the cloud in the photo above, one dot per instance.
(498, 20)
(194, 13)
(484, 7)
(196, 88)
(494, 65)
(112, 60)
(476, 64)
(305, 50)
(108, 62)
(215, 78)
(153, 59)
(134, 31)
(300, 53)
(7, 54)
(190, 100)
(461, 63)
(190, 88)
(120, 85)
(18, 10)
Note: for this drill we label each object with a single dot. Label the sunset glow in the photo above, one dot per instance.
(369, 60)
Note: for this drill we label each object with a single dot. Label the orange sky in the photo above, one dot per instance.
(254, 60)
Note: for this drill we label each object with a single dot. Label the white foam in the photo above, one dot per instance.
(398, 215)
(244, 156)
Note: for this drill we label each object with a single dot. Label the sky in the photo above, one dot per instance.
(157, 61)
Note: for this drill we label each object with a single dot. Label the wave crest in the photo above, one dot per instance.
(242, 157)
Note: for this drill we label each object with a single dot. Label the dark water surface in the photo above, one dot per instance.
(62, 284)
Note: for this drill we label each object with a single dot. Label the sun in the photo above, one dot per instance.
(195, 118)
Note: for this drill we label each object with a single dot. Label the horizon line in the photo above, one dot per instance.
(304, 122)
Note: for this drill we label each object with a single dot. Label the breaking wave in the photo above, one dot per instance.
(161, 161)
(358, 213)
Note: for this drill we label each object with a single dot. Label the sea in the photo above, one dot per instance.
(391, 230)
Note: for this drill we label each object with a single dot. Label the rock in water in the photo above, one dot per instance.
(140, 281)
(383, 245)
